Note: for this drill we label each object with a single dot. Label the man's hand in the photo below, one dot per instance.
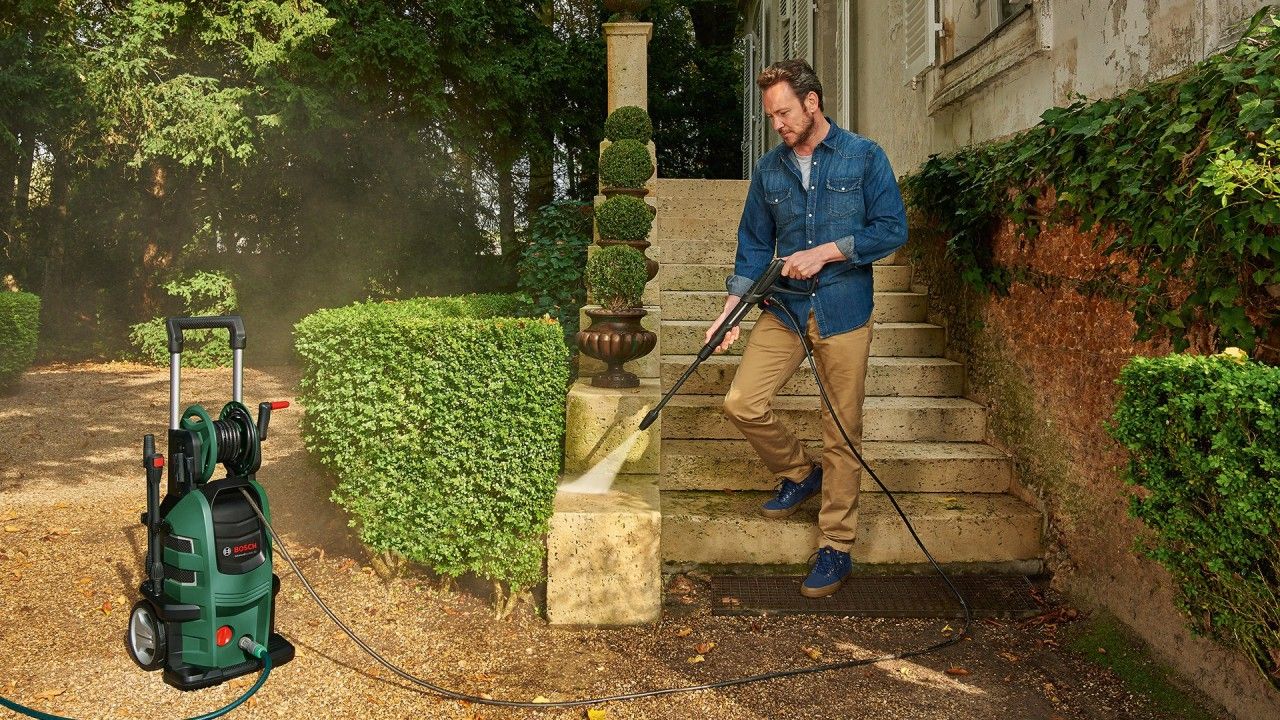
(806, 263)
(730, 337)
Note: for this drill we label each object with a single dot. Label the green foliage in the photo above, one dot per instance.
(616, 276)
(200, 293)
(1158, 165)
(625, 163)
(1257, 177)
(1203, 435)
(552, 265)
(442, 419)
(19, 331)
(629, 122)
(624, 217)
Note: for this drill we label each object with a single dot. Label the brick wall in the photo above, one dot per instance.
(1044, 359)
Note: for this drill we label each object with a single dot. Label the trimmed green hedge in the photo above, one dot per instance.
(1203, 435)
(19, 331)
(442, 418)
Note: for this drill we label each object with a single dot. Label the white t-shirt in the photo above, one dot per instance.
(806, 163)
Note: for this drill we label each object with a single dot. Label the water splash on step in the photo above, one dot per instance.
(599, 479)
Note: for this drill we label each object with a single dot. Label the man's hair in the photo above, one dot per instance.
(796, 73)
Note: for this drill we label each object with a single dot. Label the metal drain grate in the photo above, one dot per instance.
(892, 596)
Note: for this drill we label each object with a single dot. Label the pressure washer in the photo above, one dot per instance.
(210, 543)
(209, 572)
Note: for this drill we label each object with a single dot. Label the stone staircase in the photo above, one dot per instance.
(924, 438)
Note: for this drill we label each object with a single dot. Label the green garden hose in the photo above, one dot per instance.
(196, 420)
(255, 649)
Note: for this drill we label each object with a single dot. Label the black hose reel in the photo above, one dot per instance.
(232, 440)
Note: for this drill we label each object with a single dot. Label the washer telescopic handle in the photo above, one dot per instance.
(175, 326)
(760, 290)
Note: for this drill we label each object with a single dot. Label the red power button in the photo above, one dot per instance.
(224, 635)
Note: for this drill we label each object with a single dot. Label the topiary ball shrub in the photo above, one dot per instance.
(19, 331)
(624, 217)
(628, 123)
(616, 276)
(625, 163)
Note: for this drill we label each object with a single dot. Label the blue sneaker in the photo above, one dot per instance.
(791, 494)
(828, 574)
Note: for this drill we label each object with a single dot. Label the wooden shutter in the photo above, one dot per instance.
(919, 30)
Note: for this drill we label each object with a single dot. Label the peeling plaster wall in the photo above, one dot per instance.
(1095, 48)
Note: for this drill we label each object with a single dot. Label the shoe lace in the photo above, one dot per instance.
(785, 486)
(826, 562)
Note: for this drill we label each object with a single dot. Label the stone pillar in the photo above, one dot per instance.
(628, 57)
(604, 561)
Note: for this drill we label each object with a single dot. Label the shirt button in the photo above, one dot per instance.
(813, 294)
(810, 214)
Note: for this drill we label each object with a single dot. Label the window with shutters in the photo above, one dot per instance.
(981, 40)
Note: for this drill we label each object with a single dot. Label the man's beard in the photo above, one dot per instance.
(802, 135)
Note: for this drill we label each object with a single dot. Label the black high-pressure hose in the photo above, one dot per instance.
(454, 695)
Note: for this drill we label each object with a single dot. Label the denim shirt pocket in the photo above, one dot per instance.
(777, 197)
(844, 197)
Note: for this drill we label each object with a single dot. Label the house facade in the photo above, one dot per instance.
(928, 76)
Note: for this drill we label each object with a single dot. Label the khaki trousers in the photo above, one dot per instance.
(773, 353)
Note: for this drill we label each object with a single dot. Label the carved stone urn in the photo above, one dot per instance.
(616, 337)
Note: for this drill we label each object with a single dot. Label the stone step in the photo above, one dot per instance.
(897, 419)
(709, 252)
(707, 305)
(719, 528)
(886, 376)
(711, 277)
(712, 227)
(701, 189)
(902, 466)
(686, 337)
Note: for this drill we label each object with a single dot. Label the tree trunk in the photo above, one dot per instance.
(157, 250)
(22, 188)
(542, 188)
(55, 295)
(506, 209)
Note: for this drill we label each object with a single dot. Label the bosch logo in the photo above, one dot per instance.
(226, 551)
(247, 547)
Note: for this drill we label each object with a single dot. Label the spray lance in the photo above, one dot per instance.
(759, 292)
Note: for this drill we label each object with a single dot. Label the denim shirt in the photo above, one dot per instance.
(853, 200)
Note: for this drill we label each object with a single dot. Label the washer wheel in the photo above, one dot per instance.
(145, 637)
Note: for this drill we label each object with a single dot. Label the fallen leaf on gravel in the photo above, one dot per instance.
(50, 694)
(684, 632)
(956, 671)
(122, 600)
(541, 699)
(947, 630)
(1009, 656)
(1102, 651)
(346, 565)
(905, 671)
(84, 581)
(704, 648)
(13, 528)
(730, 601)
(8, 516)
(106, 607)
(813, 653)
(597, 715)
(695, 659)
(62, 505)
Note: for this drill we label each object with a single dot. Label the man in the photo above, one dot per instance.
(826, 200)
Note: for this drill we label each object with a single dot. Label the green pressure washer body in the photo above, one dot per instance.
(209, 576)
